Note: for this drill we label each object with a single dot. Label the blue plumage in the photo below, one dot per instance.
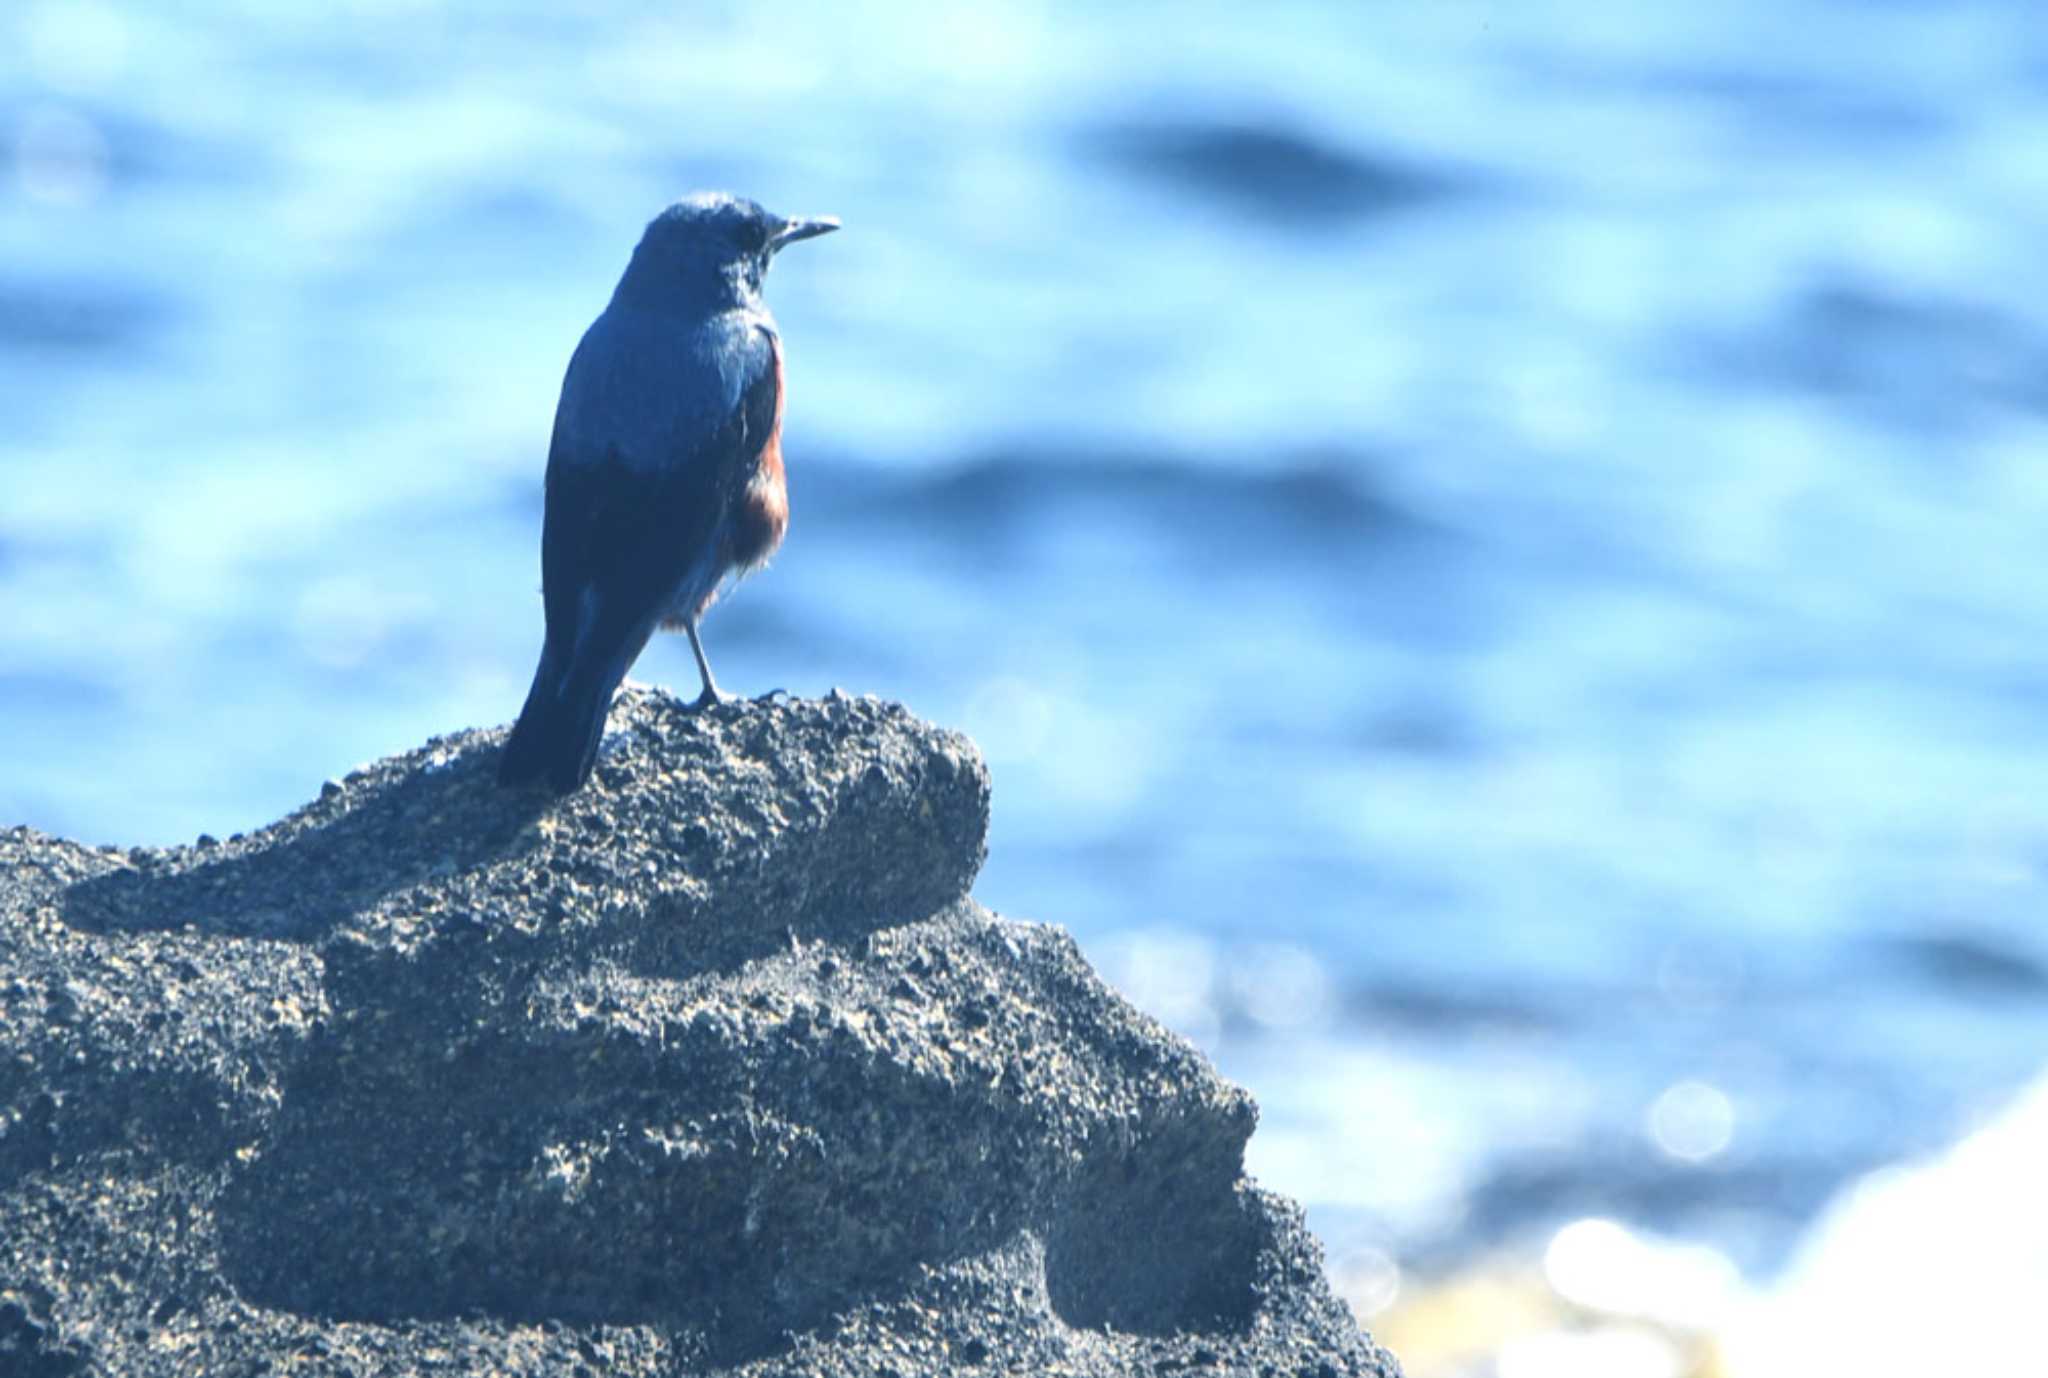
(664, 473)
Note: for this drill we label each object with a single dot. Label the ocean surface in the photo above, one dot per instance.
(1494, 550)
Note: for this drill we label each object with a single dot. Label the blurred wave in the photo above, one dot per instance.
(1269, 171)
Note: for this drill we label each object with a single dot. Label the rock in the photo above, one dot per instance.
(712, 1066)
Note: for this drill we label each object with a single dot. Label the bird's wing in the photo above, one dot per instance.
(633, 511)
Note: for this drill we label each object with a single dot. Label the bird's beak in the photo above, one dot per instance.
(793, 230)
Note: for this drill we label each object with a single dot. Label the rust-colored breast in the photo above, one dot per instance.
(762, 513)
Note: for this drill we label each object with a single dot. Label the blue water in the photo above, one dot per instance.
(1493, 548)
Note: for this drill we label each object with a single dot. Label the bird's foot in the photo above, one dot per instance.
(711, 696)
(771, 696)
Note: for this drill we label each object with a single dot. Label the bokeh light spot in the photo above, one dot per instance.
(1369, 1279)
(1281, 985)
(1692, 1122)
(60, 158)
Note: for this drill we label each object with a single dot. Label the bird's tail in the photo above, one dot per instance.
(559, 728)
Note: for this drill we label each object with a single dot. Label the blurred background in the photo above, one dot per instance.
(1493, 550)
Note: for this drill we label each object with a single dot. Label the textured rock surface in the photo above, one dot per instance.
(713, 1066)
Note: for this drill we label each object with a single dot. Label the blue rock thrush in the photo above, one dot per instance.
(665, 471)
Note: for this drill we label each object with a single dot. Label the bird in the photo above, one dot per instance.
(664, 472)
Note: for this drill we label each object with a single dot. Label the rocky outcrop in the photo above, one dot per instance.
(713, 1066)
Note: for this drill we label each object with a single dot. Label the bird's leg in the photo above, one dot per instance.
(712, 693)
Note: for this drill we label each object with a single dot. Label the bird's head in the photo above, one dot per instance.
(714, 243)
